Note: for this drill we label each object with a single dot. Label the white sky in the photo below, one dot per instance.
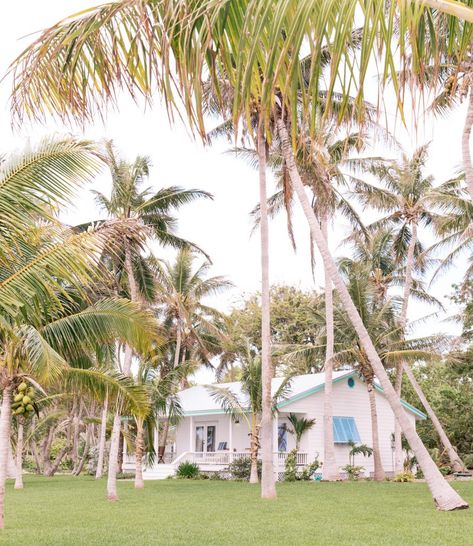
(221, 227)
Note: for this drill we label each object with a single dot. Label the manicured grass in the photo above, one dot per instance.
(73, 511)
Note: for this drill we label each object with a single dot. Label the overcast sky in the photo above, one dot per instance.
(221, 227)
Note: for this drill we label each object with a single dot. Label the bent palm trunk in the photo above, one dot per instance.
(445, 497)
(139, 452)
(102, 440)
(329, 468)
(19, 455)
(268, 487)
(455, 460)
(379, 474)
(5, 420)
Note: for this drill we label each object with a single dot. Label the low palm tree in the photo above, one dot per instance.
(248, 404)
(300, 425)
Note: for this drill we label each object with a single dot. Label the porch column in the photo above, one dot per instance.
(191, 433)
(275, 445)
(230, 434)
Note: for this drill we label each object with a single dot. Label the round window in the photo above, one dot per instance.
(351, 382)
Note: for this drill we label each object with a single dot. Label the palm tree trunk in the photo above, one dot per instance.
(254, 451)
(268, 486)
(445, 497)
(113, 459)
(329, 468)
(466, 151)
(5, 420)
(379, 474)
(139, 452)
(398, 455)
(162, 443)
(19, 455)
(455, 460)
(83, 459)
(102, 440)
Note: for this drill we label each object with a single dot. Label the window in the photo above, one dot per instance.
(199, 438)
(344, 430)
(210, 438)
(282, 437)
(351, 382)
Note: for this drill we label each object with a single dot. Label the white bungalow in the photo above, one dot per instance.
(208, 436)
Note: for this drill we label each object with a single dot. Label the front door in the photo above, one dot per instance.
(205, 438)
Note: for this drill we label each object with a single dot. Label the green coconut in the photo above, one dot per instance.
(20, 410)
(22, 387)
(18, 398)
(29, 407)
(26, 400)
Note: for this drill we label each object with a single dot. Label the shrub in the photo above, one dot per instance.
(310, 470)
(468, 460)
(187, 470)
(353, 471)
(404, 477)
(125, 476)
(241, 468)
(290, 466)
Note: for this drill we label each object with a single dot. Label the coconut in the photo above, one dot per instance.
(29, 407)
(22, 387)
(18, 398)
(26, 400)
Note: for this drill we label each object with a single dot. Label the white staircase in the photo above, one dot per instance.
(159, 472)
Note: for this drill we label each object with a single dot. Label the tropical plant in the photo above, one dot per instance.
(300, 425)
(240, 468)
(353, 472)
(361, 449)
(187, 470)
(404, 477)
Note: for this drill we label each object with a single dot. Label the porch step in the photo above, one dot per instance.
(159, 472)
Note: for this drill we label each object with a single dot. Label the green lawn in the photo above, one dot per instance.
(73, 511)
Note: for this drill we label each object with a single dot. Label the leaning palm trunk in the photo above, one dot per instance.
(139, 453)
(398, 456)
(5, 420)
(102, 440)
(254, 446)
(466, 152)
(379, 474)
(113, 458)
(455, 460)
(445, 497)
(19, 455)
(268, 487)
(329, 468)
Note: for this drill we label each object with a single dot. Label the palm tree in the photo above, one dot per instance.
(409, 201)
(257, 46)
(300, 425)
(195, 329)
(249, 405)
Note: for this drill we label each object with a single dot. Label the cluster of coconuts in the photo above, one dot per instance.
(23, 400)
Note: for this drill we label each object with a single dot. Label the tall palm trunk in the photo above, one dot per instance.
(379, 474)
(268, 486)
(466, 151)
(112, 494)
(398, 455)
(139, 452)
(445, 497)
(19, 455)
(254, 445)
(329, 468)
(102, 440)
(455, 460)
(5, 420)
(115, 436)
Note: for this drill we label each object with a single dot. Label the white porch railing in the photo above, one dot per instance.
(223, 458)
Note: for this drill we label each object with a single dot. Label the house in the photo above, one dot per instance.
(208, 436)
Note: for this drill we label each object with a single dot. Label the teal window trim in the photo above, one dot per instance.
(345, 430)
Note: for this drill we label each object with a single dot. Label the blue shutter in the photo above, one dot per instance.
(344, 430)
